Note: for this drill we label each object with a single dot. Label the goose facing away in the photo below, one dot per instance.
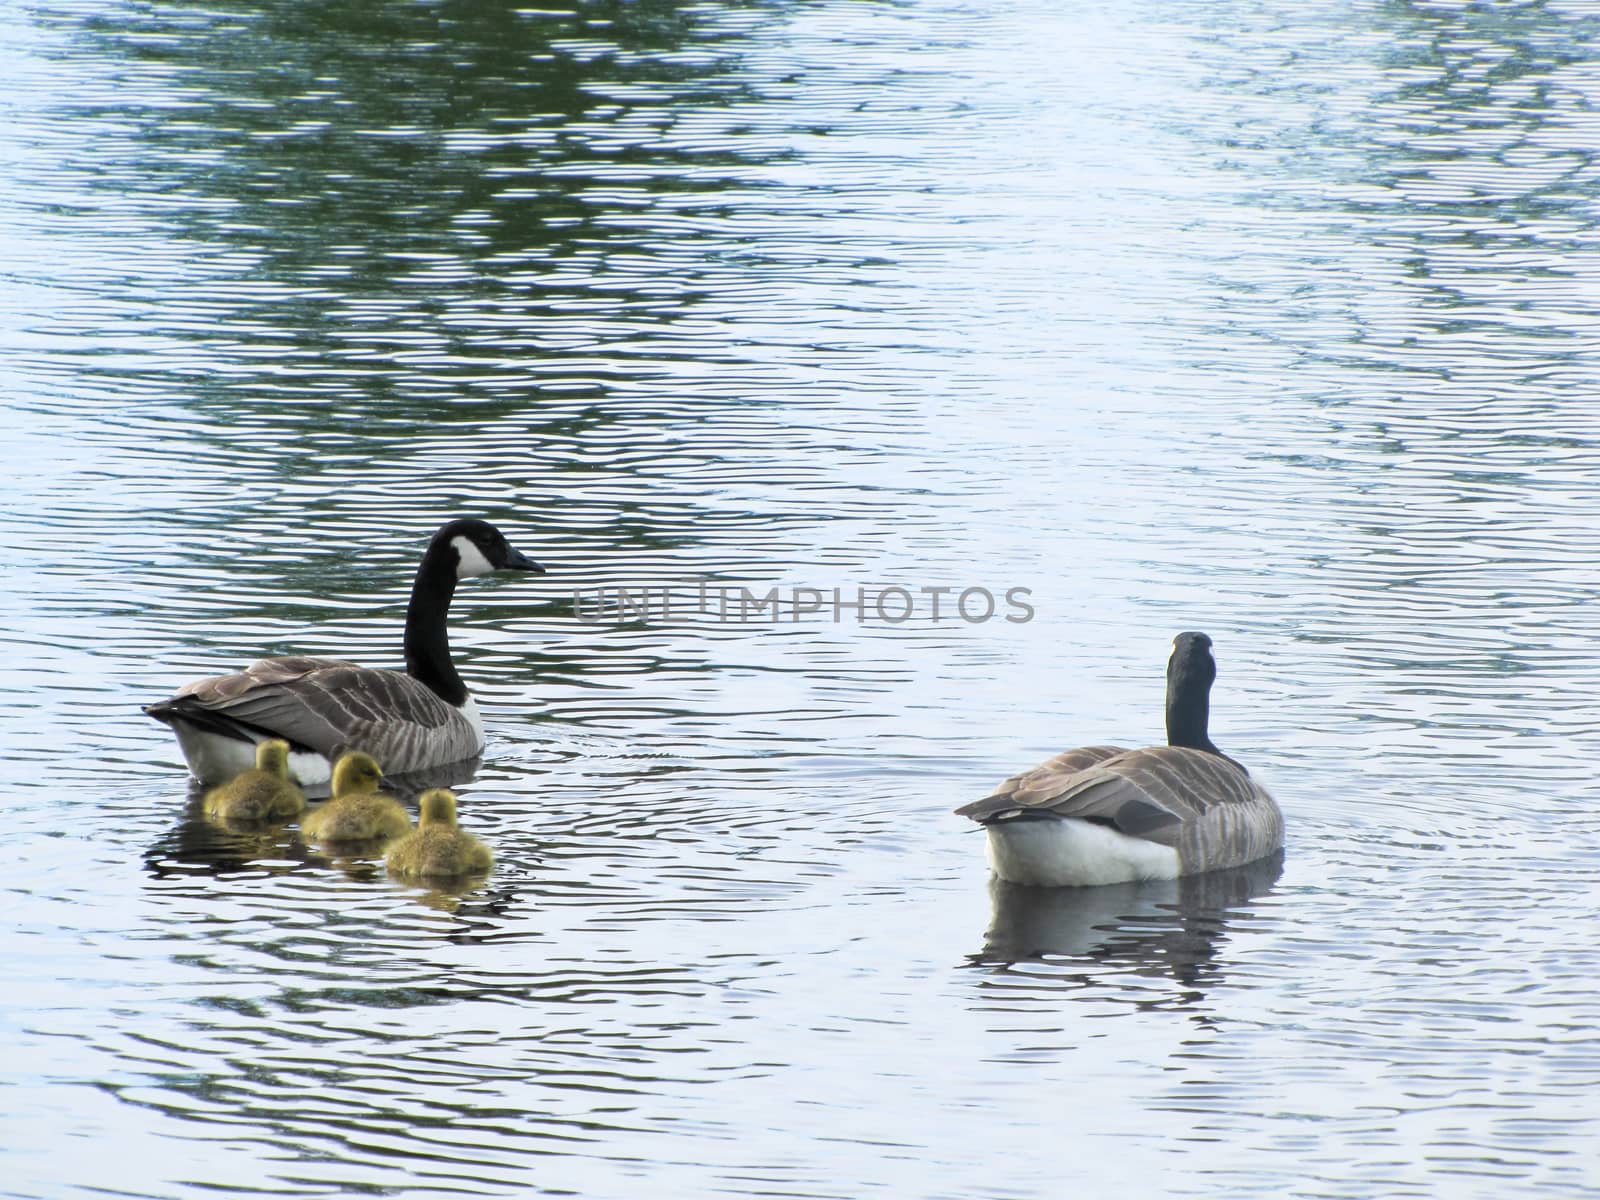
(411, 720)
(262, 793)
(1102, 814)
(438, 848)
(358, 812)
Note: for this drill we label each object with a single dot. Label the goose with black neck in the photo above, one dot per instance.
(1103, 814)
(413, 720)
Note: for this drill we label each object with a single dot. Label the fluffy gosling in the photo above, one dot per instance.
(262, 793)
(358, 812)
(438, 848)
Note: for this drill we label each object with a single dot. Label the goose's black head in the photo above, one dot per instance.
(1190, 673)
(478, 548)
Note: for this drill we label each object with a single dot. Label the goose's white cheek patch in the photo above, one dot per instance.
(472, 560)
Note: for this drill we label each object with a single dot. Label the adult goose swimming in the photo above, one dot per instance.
(1102, 814)
(410, 721)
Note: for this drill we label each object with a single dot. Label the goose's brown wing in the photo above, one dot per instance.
(1147, 793)
(319, 704)
(1047, 779)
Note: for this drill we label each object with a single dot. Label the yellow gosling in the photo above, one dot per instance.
(438, 848)
(262, 793)
(358, 812)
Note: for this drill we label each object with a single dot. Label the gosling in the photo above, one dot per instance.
(262, 793)
(438, 848)
(358, 812)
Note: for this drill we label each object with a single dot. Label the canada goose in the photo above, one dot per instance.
(422, 717)
(438, 848)
(264, 792)
(1102, 814)
(358, 812)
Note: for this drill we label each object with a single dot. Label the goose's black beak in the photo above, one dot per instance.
(516, 560)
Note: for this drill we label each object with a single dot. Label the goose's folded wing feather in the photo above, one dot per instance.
(321, 704)
(1048, 778)
(220, 690)
(1146, 793)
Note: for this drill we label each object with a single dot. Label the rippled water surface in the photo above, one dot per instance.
(1273, 320)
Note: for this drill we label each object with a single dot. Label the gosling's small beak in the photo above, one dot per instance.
(516, 560)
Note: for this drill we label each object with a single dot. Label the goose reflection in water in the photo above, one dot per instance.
(465, 897)
(201, 849)
(201, 845)
(1163, 928)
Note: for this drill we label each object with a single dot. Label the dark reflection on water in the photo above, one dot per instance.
(1083, 937)
(199, 845)
(422, 196)
(1268, 320)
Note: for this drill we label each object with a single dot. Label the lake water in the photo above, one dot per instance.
(1274, 321)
